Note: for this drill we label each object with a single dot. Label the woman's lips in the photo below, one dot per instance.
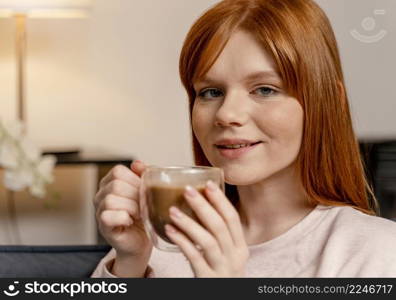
(236, 153)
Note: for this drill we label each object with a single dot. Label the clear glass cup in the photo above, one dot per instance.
(163, 187)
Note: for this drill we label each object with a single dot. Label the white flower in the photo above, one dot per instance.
(22, 161)
(44, 170)
(18, 179)
(29, 149)
(46, 166)
(8, 154)
(38, 189)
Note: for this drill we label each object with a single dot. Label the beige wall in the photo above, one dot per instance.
(369, 68)
(111, 82)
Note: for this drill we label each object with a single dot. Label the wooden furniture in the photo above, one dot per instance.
(68, 220)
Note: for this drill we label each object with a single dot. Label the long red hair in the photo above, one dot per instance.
(298, 36)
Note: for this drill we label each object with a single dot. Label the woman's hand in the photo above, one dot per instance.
(119, 221)
(224, 251)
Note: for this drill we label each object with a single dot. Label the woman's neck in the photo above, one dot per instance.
(272, 206)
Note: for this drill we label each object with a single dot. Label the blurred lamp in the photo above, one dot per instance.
(20, 10)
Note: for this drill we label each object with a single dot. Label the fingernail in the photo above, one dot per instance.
(170, 228)
(190, 191)
(174, 211)
(211, 185)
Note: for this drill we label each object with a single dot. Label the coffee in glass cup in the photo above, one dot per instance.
(163, 187)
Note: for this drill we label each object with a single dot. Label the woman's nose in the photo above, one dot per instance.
(232, 112)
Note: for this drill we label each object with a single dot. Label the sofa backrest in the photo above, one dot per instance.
(50, 261)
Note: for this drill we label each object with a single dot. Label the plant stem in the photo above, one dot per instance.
(12, 214)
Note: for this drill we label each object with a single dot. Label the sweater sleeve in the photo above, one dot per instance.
(102, 270)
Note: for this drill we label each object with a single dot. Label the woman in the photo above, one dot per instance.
(264, 76)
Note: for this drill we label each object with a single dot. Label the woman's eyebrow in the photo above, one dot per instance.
(207, 80)
(262, 75)
(249, 78)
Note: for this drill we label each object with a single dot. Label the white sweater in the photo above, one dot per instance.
(328, 242)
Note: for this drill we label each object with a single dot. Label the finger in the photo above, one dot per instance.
(119, 188)
(228, 212)
(210, 218)
(197, 234)
(195, 257)
(109, 219)
(120, 172)
(138, 167)
(113, 202)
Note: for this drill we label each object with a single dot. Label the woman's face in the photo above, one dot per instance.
(241, 101)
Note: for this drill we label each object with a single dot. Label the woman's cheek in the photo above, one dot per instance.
(286, 119)
(200, 121)
(195, 124)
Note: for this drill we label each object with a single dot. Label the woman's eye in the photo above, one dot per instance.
(210, 93)
(265, 91)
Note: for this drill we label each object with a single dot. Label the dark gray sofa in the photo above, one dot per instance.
(50, 261)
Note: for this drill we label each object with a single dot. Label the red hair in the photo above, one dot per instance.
(298, 36)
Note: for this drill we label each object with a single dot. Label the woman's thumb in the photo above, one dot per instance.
(138, 167)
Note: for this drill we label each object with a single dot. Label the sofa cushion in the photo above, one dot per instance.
(50, 261)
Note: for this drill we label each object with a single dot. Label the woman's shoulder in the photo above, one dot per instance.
(353, 224)
(349, 217)
(356, 244)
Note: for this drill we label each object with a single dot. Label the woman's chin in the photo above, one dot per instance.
(241, 174)
(240, 178)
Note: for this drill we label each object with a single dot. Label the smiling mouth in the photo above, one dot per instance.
(239, 146)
